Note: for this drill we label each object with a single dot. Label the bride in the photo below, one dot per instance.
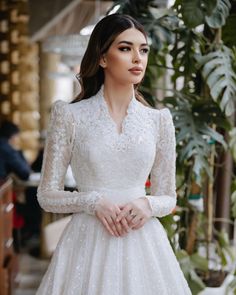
(114, 243)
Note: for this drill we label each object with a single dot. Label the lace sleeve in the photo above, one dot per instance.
(163, 188)
(57, 155)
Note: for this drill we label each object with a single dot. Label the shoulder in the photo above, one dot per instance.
(162, 119)
(162, 115)
(59, 108)
(61, 115)
(7, 152)
(84, 110)
(82, 105)
(5, 147)
(165, 115)
(156, 114)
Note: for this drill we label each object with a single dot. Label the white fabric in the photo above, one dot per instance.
(88, 260)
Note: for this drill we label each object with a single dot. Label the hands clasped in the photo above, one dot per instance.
(120, 220)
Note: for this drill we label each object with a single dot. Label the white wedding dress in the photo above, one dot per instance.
(105, 163)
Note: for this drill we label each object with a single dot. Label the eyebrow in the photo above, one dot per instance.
(131, 43)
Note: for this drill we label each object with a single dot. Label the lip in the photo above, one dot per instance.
(136, 69)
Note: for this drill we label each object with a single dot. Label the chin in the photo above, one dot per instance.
(132, 81)
(137, 80)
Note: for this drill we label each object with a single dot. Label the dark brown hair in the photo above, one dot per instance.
(91, 75)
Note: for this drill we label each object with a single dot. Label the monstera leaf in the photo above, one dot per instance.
(197, 12)
(194, 11)
(220, 76)
(183, 52)
(193, 118)
(218, 17)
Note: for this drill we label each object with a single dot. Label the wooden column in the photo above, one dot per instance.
(19, 78)
(48, 64)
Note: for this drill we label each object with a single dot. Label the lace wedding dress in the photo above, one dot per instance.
(105, 163)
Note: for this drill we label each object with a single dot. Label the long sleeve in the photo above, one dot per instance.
(17, 164)
(163, 188)
(56, 159)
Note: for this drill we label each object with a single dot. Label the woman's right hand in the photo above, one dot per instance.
(107, 213)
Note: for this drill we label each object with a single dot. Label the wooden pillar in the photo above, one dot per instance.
(48, 64)
(19, 81)
(4, 63)
(223, 192)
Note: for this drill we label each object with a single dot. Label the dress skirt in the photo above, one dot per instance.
(89, 261)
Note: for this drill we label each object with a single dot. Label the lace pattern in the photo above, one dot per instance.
(163, 187)
(84, 135)
(57, 156)
(88, 260)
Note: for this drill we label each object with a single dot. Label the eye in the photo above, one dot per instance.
(125, 48)
(144, 50)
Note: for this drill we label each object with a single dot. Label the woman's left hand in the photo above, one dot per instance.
(136, 213)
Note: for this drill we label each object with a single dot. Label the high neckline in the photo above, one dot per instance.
(130, 109)
(131, 106)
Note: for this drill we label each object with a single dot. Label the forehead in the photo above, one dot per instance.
(131, 35)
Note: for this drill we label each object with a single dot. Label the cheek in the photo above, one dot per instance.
(118, 59)
(145, 61)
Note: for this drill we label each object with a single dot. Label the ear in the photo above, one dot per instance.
(102, 62)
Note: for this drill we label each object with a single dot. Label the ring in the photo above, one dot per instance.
(132, 214)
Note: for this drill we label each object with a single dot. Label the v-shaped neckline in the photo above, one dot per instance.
(109, 116)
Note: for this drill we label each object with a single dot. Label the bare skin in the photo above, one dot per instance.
(124, 65)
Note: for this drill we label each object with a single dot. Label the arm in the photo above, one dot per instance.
(163, 195)
(18, 164)
(57, 155)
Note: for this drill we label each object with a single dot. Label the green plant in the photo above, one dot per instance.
(186, 41)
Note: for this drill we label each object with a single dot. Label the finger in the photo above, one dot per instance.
(125, 225)
(136, 219)
(117, 209)
(106, 225)
(112, 226)
(140, 224)
(124, 212)
(119, 228)
(117, 225)
(129, 219)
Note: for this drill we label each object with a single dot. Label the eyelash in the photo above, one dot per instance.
(125, 49)
(145, 50)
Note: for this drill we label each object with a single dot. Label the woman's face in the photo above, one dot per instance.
(126, 59)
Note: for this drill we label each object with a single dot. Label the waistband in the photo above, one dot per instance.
(117, 195)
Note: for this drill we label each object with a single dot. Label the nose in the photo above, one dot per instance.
(136, 56)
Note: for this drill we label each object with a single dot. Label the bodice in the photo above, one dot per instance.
(105, 163)
(101, 157)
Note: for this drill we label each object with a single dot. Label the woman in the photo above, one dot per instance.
(113, 245)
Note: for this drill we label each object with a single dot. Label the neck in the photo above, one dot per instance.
(118, 96)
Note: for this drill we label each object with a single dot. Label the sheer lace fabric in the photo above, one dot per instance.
(105, 163)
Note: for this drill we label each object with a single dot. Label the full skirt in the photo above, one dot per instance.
(89, 261)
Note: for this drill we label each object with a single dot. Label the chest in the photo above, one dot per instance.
(98, 138)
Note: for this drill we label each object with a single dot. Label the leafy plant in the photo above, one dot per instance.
(220, 76)
(218, 16)
(193, 118)
(186, 41)
(189, 264)
(197, 12)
